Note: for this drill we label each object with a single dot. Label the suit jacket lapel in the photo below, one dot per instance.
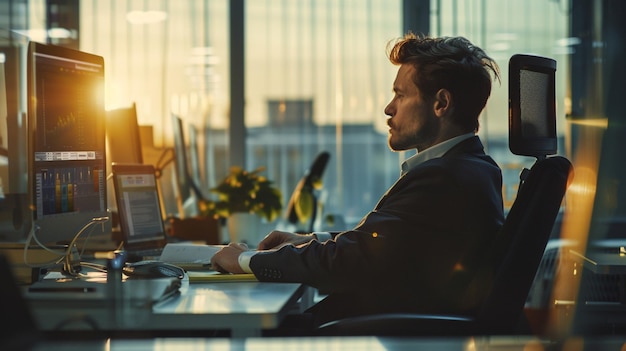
(471, 145)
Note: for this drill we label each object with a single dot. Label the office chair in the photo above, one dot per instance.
(520, 243)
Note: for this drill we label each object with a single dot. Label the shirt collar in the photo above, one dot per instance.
(434, 151)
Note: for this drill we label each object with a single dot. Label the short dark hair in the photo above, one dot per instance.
(451, 63)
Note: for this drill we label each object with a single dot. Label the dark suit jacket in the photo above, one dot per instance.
(421, 249)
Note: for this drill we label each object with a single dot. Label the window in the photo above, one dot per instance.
(316, 78)
(290, 113)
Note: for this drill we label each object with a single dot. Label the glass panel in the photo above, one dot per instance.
(326, 61)
(170, 58)
(505, 28)
(317, 79)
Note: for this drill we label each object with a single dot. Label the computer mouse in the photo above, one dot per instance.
(153, 269)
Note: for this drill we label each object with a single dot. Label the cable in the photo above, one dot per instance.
(82, 251)
(68, 267)
(32, 236)
(94, 266)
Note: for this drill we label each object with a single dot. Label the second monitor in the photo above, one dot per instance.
(188, 191)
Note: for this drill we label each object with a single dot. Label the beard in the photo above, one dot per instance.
(402, 142)
(418, 137)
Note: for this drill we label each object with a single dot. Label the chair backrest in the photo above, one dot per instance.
(521, 242)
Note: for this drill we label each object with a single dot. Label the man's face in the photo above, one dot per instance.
(412, 123)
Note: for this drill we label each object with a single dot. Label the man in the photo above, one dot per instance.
(423, 248)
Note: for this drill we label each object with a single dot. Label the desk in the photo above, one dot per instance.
(516, 343)
(602, 262)
(601, 306)
(608, 276)
(244, 308)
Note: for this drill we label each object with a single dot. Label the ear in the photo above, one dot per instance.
(443, 103)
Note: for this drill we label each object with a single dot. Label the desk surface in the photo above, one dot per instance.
(337, 343)
(244, 308)
(602, 262)
(238, 305)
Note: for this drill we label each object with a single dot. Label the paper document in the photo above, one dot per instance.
(189, 253)
(214, 276)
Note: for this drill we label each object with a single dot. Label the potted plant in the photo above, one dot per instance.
(245, 196)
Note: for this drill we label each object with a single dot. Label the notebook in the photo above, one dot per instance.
(139, 208)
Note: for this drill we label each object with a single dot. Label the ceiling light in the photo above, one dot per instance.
(145, 17)
(59, 33)
(570, 41)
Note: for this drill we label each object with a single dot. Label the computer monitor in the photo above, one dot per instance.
(66, 139)
(123, 137)
(194, 156)
(532, 106)
(123, 144)
(188, 193)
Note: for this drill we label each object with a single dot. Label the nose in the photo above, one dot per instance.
(389, 110)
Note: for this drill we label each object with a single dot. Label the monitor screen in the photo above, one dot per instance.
(123, 143)
(137, 197)
(67, 151)
(123, 137)
(188, 193)
(194, 156)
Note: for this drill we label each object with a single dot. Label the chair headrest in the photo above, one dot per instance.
(532, 106)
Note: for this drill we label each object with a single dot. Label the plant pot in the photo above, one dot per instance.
(244, 228)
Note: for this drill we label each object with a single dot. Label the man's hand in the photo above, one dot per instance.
(276, 239)
(226, 260)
